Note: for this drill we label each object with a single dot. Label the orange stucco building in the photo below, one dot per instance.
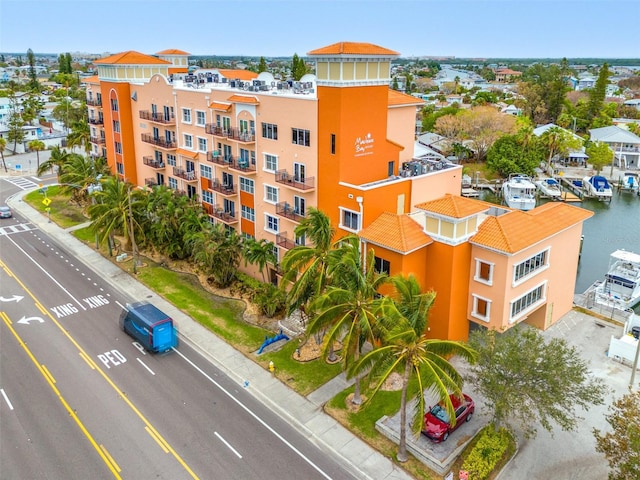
(258, 152)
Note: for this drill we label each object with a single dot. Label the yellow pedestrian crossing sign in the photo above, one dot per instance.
(46, 201)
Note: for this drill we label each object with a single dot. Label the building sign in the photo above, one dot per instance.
(364, 145)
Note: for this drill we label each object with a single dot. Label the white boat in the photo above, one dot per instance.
(630, 182)
(597, 186)
(549, 187)
(621, 286)
(519, 192)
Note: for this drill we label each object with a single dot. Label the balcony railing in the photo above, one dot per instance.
(284, 242)
(96, 121)
(152, 162)
(213, 129)
(157, 117)
(220, 159)
(287, 210)
(295, 181)
(230, 132)
(151, 182)
(94, 102)
(97, 140)
(158, 141)
(243, 165)
(226, 216)
(188, 175)
(223, 188)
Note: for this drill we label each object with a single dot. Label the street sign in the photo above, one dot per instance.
(46, 202)
(18, 167)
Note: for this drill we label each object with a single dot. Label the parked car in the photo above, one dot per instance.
(437, 424)
(5, 212)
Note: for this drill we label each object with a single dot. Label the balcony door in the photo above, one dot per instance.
(299, 172)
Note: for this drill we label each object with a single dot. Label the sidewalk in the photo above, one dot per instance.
(305, 414)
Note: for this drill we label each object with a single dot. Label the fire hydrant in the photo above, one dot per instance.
(272, 367)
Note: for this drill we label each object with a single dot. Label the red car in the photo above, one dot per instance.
(437, 424)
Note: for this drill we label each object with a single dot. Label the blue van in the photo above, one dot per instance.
(150, 326)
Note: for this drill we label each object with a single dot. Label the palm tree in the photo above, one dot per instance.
(348, 309)
(217, 251)
(3, 145)
(37, 146)
(259, 253)
(77, 175)
(58, 159)
(80, 136)
(405, 349)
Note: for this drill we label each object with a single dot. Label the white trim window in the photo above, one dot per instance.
(269, 130)
(349, 220)
(271, 223)
(188, 141)
(270, 194)
(201, 118)
(186, 115)
(521, 306)
(202, 144)
(206, 171)
(270, 162)
(207, 197)
(530, 266)
(246, 185)
(248, 213)
(484, 272)
(481, 308)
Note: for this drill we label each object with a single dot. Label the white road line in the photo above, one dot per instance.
(145, 366)
(256, 417)
(47, 273)
(227, 444)
(120, 305)
(6, 399)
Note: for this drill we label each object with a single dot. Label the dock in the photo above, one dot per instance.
(573, 192)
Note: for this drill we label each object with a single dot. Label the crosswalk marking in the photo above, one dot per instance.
(21, 182)
(18, 228)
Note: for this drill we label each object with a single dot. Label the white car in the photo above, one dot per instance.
(5, 212)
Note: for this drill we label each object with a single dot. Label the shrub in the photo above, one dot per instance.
(270, 299)
(487, 453)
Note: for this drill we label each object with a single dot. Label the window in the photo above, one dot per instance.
(391, 168)
(188, 141)
(350, 220)
(276, 253)
(381, 265)
(202, 144)
(226, 123)
(333, 144)
(206, 171)
(523, 304)
(114, 105)
(269, 130)
(120, 168)
(247, 236)
(484, 272)
(201, 118)
(173, 183)
(301, 240)
(271, 223)
(116, 126)
(299, 206)
(270, 162)
(246, 185)
(530, 265)
(300, 137)
(186, 115)
(481, 308)
(118, 147)
(207, 197)
(171, 160)
(270, 194)
(248, 213)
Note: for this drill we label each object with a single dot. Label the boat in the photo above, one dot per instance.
(621, 285)
(597, 186)
(549, 187)
(519, 192)
(630, 182)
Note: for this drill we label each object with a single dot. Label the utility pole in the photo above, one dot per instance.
(133, 239)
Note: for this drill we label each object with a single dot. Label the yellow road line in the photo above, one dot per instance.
(43, 371)
(48, 374)
(88, 360)
(121, 393)
(160, 442)
(108, 455)
(41, 308)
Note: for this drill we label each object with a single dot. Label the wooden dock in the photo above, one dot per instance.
(573, 192)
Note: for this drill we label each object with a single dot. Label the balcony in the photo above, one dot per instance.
(157, 117)
(236, 134)
(94, 102)
(286, 210)
(153, 163)
(97, 140)
(297, 182)
(222, 188)
(220, 159)
(158, 141)
(213, 129)
(150, 182)
(227, 217)
(189, 176)
(96, 121)
(284, 242)
(243, 165)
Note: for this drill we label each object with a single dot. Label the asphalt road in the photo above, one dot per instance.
(82, 400)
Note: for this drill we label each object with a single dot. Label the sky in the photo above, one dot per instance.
(272, 28)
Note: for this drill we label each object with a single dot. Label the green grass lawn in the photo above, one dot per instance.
(63, 213)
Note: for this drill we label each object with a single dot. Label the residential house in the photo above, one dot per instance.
(625, 145)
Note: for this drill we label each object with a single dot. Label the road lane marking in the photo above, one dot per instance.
(160, 442)
(48, 374)
(6, 399)
(227, 444)
(113, 462)
(255, 416)
(145, 366)
(87, 359)
(122, 395)
(62, 400)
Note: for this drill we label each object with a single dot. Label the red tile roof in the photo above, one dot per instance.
(131, 58)
(517, 230)
(353, 48)
(398, 98)
(173, 51)
(93, 79)
(239, 74)
(455, 206)
(396, 232)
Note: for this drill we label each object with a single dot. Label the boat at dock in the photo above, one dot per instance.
(630, 182)
(621, 285)
(519, 192)
(597, 186)
(549, 187)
